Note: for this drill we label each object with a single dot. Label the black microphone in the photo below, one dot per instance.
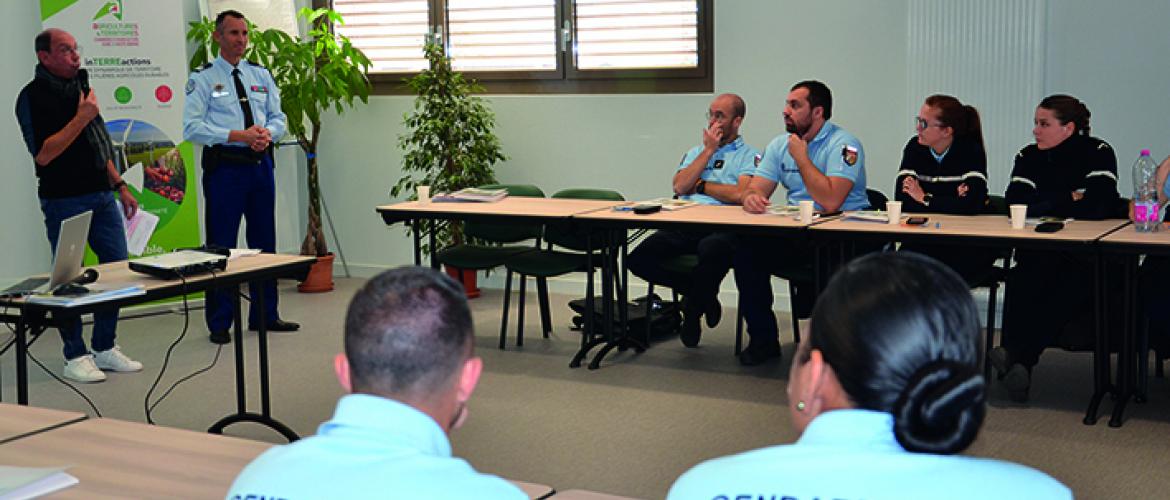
(83, 81)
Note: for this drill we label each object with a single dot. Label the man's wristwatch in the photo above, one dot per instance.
(926, 199)
(118, 185)
(700, 186)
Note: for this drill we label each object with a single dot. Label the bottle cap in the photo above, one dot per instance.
(1145, 152)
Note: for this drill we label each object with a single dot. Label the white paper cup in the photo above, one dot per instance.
(424, 194)
(894, 211)
(1019, 214)
(806, 211)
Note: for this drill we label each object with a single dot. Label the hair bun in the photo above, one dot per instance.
(941, 408)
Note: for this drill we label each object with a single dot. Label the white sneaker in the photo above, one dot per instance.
(114, 360)
(82, 369)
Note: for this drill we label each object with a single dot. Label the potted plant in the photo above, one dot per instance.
(321, 72)
(449, 144)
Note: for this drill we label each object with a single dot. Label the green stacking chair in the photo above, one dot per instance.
(564, 254)
(474, 257)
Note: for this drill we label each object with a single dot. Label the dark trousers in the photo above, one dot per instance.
(235, 192)
(1045, 291)
(972, 264)
(701, 285)
(756, 261)
(107, 238)
(1152, 280)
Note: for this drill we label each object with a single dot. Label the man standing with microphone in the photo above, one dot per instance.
(233, 110)
(67, 138)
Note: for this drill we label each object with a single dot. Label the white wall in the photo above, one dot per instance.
(1112, 55)
(26, 248)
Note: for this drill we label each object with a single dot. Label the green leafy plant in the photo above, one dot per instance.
(449, 144)
(316, 74)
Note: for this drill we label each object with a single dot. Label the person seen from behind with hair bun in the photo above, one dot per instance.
(885, 392)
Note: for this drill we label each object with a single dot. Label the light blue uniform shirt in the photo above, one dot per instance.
(212, 108)
(728, 163)
(835, 152)
(372, 448)
(852, 454)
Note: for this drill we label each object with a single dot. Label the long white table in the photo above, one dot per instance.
(30, 317)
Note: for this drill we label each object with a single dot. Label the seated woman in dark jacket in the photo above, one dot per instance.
(944, 171)
(1065, 173)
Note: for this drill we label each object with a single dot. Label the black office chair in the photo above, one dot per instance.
(993, 277)
(474, 255)
(564, 254)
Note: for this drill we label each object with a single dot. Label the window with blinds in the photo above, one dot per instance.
(502, 35)
(637, 45)
(623, 34)
(390, 32)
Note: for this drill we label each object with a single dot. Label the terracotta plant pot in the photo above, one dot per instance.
(320, 277)
(467, 280)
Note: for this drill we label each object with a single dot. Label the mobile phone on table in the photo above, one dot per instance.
(916, 221)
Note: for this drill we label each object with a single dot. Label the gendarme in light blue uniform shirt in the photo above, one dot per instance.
(835, 152)
(851, 455)
(729, 162)
(212, 109)
(372, 448)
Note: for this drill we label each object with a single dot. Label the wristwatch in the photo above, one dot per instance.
(700, 186)
(118, 185)
(926, 199)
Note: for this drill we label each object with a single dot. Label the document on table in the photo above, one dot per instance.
(32, 482)
(98, 292)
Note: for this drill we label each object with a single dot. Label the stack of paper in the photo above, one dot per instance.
(670, 203)
(472, 194)
(32, 482)
(868, 215)
(98, 292)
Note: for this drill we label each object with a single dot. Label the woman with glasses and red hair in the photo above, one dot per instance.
(944, 171)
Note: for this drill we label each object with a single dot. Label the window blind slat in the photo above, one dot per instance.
(623, 34)
(502, 35)
(390, 32)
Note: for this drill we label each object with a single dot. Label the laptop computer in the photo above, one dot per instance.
(66, 261)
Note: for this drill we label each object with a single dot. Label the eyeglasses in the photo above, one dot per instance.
(76, 49)
(921, 124)
(718, 115)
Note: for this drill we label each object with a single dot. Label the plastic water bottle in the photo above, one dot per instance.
(1145, 193)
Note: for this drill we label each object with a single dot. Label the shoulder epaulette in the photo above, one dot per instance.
(205, 66)
(256, 64)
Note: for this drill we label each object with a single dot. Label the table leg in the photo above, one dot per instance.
(1101, 384)
(414, 230)
(22, 329)
(242, 415)
(589, 338)
(1125, 356)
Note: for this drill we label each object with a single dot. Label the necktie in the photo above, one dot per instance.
(243, 95)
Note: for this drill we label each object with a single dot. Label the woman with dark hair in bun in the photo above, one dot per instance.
(885, 390)
(944, 171)
(1066, 173)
